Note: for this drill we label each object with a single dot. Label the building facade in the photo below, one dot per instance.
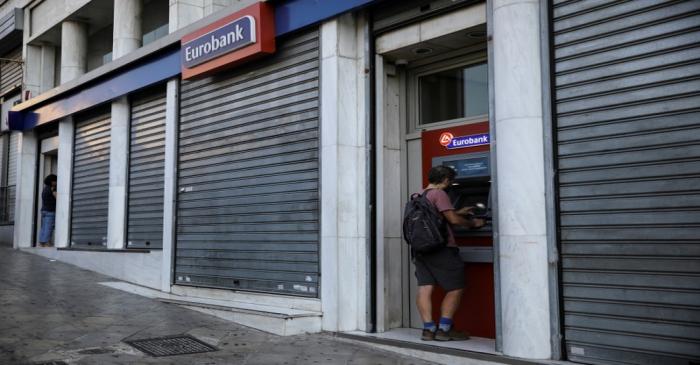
(253, 158)
(11, 25)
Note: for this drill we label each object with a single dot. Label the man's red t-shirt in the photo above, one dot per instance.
(441, 201)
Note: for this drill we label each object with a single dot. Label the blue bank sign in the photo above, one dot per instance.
(451, 142)
(227, 38)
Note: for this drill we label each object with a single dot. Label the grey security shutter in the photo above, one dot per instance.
(90, 180)
(627, 96)
(10, 71)
(247, 213)
(146, 163)
(12, 156)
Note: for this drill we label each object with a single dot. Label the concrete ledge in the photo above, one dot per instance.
(261, 315)
(264, 322)
(133, 250)
(437, 352)
(139, 268)
(279, 301)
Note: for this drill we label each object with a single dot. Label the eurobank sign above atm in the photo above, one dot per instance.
(230, 41)
(451, 142)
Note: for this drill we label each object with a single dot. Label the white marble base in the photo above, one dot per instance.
(274, 325)
(138, 268)
(253, 312)
(229, 296)
(412, 336)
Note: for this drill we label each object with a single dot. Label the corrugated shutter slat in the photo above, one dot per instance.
(248, 175)
(90, 197)
(146, 169)
(627, 96)
(11, 72)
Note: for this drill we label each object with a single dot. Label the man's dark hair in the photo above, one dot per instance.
(49, 179)
(437, 174)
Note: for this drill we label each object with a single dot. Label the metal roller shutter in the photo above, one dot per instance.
(11, 72)
(248, 175)
(627, 96)
(12, 156)
(90, 180)
(146, 164)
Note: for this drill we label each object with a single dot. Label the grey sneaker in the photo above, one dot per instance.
(451, 335)
(427, 335)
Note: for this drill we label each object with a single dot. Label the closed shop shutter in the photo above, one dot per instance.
(248, 175)
(627, 96)
(10, 72)
(90, 180)
(146, 164)
(12, 156)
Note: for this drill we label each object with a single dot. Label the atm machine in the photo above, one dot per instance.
(466, 149)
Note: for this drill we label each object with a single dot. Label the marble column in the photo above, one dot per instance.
(32, 70)
(522, 229)
(40, 68)
(48, 67)
(118, 165)
(127, 27)
(212, 6)
(184, 12)
(126, 38)
(25, 197)
(73, 50)
(344, 178)
(170, 181)
(66, 131)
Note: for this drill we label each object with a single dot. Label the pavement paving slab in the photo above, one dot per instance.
(57, 312)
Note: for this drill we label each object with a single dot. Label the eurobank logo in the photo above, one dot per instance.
(230, 41)
(448, 140)
(230, 37)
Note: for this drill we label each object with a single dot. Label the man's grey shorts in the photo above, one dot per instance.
(444, 268)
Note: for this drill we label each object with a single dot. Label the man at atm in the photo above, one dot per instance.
(443, 267)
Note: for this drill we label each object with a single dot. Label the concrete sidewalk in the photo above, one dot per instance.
(50, 311)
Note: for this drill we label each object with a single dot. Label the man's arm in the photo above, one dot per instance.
(459, 220)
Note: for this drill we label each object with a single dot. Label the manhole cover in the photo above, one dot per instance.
(171, 345)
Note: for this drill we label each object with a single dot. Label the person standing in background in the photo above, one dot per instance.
(48, 210)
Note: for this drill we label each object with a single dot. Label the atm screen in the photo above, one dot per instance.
(470, 167)
(472, 184)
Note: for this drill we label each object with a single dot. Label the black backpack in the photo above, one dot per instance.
(424, 228)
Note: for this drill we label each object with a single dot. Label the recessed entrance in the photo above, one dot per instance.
(48, 164)
(426, 92)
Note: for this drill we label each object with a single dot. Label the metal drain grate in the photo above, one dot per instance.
(171, 345)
